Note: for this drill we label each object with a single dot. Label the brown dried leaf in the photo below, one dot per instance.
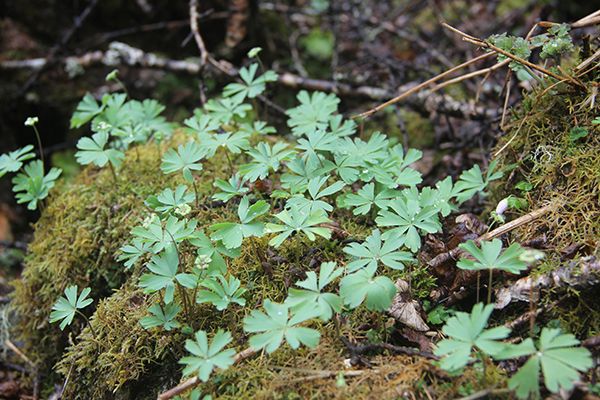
(406, 310)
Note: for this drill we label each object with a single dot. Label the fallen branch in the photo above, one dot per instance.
(195, 381)
(581, 274)
(120, 53)
(358, 349)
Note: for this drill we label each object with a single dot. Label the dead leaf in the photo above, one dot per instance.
(406, 310)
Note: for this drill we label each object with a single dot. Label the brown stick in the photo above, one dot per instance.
(501, 230)
(422, 85)
(196, 31)
(195, 381)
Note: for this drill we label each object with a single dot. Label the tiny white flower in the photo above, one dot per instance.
(502, 206)
(31, 121)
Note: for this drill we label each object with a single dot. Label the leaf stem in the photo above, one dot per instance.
(88, 323)
(489, 294)
(39, 142)
(114, 173)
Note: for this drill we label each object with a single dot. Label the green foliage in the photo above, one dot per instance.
(185, 159)
(164, 318)
(225, 110)
(32, 185)
(472, 182)
(131, 253)
(365, 198)
(557, 355)
(230, 188)
(87, 109)
(212, 252)
(313, 112)
(171, 201)
(296, 220)
(164, 274)
(221, 292)
(311, 297)
(232, 234)
(363, 286)
(408, 216)
(275, 325)
(93, 151)
(491, 256)
(557, 42)
(374, 251)
(264, 160)
(314, 204)
(514, 45)
(13, 161)
(252, 86)
(205, 356)
(65, 307)
(154, 234)
(467, 332)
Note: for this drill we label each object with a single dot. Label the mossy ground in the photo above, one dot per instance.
(84, 224)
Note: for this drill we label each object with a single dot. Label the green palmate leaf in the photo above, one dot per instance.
(300, 174)
(314, 204)
(467, 332)
(186, 159)
(226, 109)
(13, 161)
(347, 168)
(557, 355)
(365, 198)
(93, 151)
(256, 128)
(374, 251)
(408, 218)
(65, 308)
(164, 274)
(202, 124)
(234, 142)
(230, 188)
(32, 185)
(311, 297)
(205, 356)
(472, 182)
(232, 234)
(491, 256)
(313, 112)
(440, 197)
(363, 286)
(213, 252)
(371, 152)
(264, 160)
(162, 317)
(131, 253)
(87, 109)
(159, 237)
(276, 325)
(221, 292)
(171, 201)
(295, 221)
(317, 142)
(252, 86)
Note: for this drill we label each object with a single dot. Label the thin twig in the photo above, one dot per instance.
(196, 32)
(501, 230)
(423, 85)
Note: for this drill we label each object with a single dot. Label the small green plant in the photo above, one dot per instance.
(264, 160)
(312, 297)
(93, 151)
(231, 234)
(275, 325)
(252, 86)
(363, 286)
(230, 188)
(490, 256)
(186, 159)
(366, 198)
(466, 333)
(66, 307)
(32, 185)
(559, 358)
(160, 235)
(374, 250)
(221, 292)
(163, 317)
(171, 201)
(205, 356)
(296, 220)
(13, 161)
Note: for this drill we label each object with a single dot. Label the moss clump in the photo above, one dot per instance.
(543, 146)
